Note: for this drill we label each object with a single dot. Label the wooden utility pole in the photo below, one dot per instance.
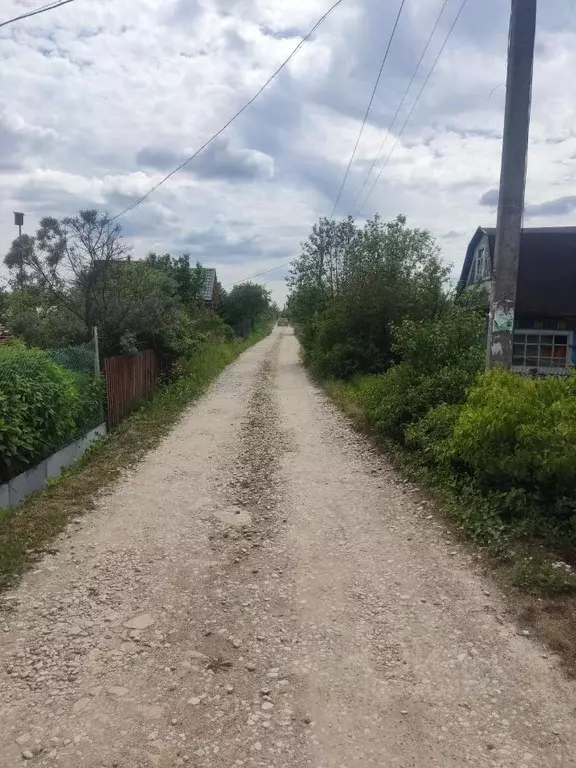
(512, 182)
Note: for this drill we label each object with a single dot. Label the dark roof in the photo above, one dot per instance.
(546, 271)
(209, 283)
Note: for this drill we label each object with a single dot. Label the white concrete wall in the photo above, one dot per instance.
(13, 493)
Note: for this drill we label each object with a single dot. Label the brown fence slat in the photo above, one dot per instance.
(127, 379)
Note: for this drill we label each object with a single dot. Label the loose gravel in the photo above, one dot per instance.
(264, 590)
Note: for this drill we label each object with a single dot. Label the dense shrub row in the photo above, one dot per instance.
(351, 286)
(514, 439)
(43, 406)
(504, 443)
(370, 309)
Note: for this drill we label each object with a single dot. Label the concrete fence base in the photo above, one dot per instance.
(13, 493)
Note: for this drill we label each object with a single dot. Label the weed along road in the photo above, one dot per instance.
(263, 590)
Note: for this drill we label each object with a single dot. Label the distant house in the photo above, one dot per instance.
(211, 290)
(545, 319)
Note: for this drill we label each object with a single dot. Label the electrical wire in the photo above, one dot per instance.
(416, 70)
(231, 120)
(376, 84)
(36, 11)
(259, 274)
(426, 81)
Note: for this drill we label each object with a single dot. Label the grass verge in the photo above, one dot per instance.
(540, 587)
(26, 532)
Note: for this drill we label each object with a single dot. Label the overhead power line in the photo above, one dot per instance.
(426, 81)
(416, 70)
(36, 11)
(368, 108)
(259, 274)
(234, 117)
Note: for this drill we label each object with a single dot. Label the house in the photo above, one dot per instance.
(211, 290)
(545, 317)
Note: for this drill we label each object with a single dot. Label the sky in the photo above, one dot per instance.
(100, 99)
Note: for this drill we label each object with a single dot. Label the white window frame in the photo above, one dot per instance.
(480, 269)
(482, 263)
(542, 367)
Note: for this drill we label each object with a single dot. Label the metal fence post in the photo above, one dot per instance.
(96, 351)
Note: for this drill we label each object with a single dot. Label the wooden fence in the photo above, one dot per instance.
(127, 379)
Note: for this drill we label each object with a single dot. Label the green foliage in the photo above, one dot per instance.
(43, 406)
(89, 411)
(38, 401)
(440, 360)
(514, 429)
(517, 436)
(245, 306)
(351, 286)
(188, 281)
(539, 576)
(512, 444)
(431, 433)
(18, 259)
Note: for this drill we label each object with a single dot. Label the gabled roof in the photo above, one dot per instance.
(209, 283)
(546, 271)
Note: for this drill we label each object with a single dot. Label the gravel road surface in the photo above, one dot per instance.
(263, 590)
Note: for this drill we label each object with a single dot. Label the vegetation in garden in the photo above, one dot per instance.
(43, 406)
(78, 273)
(26, 532)
(350, 286)
(406, 357)
(245, 306)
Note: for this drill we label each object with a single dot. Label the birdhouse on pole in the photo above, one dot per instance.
(19, 222)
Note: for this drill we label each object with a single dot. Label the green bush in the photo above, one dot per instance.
(350, 286)
(89, 405)
(518, 431)
(514, 440)
(38, 402)
(440, 360)
(42, 407)
(430, 434)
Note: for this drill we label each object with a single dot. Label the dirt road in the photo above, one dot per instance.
(264, 591)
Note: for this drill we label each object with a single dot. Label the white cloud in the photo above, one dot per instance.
(87, 90)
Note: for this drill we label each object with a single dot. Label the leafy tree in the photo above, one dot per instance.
(246, 304)
(323, 263)
(141, 309)
(351, 286)
(71, 260)
(18, 260)
(189, 281)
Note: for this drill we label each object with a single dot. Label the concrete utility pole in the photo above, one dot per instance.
(512, 182)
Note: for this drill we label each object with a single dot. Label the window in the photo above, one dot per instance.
(482, 264)
(480, 268)
(541, 349)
